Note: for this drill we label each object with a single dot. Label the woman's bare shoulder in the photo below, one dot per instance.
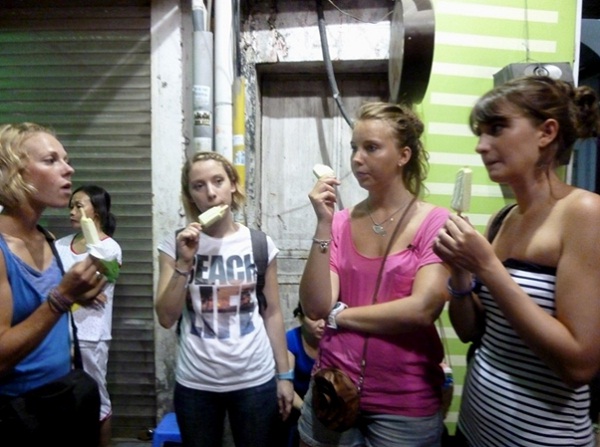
(582, 204)
(580, 213)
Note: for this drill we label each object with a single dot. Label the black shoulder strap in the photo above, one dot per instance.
(260, 252)
(498, 219)
(76, 349)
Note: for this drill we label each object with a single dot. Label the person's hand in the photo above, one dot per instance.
(323, 197)
(339, 306)
(83, 282)
(285, 397)
(99, 301)
(187, 243)
(461, 246)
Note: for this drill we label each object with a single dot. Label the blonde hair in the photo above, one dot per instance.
(407, 128)
(14, 190)
(238, 199)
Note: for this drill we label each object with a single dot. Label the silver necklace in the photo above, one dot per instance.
(378, 227)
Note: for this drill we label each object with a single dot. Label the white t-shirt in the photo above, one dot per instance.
(94, 323)
(223, 343)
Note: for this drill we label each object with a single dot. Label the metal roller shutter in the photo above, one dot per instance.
(84, 69)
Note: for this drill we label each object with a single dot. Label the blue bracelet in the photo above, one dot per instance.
(460, 294)
(286, 375)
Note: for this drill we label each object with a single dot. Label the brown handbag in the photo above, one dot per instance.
(335, 397)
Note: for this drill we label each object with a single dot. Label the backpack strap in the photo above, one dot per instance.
(260, 251)
(497, 222)
(77, 360)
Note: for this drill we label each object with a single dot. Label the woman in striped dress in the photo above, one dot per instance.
(530, 298)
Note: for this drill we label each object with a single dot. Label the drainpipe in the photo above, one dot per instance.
(239, 129)
(202, 89)
(223, 52)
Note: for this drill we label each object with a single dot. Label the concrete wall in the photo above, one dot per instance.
(282, 32)
(473, 40)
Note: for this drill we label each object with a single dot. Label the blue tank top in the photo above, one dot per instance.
(51, 359)
(303, 364)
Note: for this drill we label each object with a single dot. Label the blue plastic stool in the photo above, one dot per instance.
(166, 431)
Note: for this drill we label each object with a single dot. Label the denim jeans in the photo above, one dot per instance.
(253, 415)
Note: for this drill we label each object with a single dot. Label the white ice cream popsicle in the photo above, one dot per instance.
(320, 170)
(213, 214)
(88, 227)
(461, 198)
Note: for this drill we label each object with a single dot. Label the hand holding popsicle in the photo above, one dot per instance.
(461, 198)
(320, 170)
(212, 215)
(95, 249)
(88, 227)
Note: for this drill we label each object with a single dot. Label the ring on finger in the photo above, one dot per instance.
(98, 274)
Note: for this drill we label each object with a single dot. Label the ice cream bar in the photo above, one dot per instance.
(213, 214)
(461, 198)
(321, 170)
(88, 227)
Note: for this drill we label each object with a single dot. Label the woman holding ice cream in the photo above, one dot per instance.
(94, 323)
(35, 297)
(232, 352)
(527, 294)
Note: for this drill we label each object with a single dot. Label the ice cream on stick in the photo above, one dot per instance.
(88, 227)
(321, 171)
(210, 216)
(461, 198)
(110, 265)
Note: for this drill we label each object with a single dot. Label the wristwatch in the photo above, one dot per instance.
(289, 375)
(339, 306)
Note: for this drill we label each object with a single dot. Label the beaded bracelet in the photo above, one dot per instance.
(323, 243)
(463, 293)
(54, 306)
(58, 302)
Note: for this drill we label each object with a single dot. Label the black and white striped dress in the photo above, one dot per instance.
(511, 398)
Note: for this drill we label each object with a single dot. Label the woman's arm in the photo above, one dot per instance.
(297, 401)
(273, 319)
(567, 341)
(318, 286)
(174, 275)
(420, 309)
(467, 316)
(79, 284)
(171, 291)
(456, 238)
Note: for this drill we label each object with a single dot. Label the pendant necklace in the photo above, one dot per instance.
(378, 227)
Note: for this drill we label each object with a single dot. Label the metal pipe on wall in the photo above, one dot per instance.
(202, 89)
(224, 75)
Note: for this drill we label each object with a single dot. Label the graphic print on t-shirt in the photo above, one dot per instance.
(222, 296)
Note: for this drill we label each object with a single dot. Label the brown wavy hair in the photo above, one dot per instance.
(539, 98)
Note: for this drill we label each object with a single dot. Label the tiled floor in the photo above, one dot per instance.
(130, 443)
(138, 443)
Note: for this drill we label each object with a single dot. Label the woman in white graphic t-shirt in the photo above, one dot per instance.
(232, 355)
